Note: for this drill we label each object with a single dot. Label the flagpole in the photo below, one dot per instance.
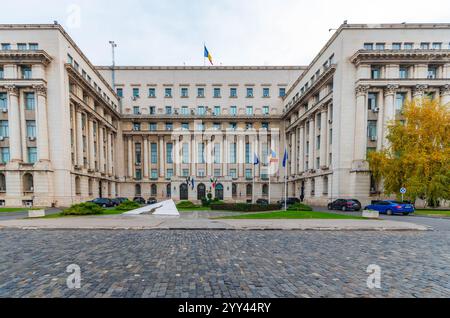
(204, 62)
(270, 166)
(285, 183)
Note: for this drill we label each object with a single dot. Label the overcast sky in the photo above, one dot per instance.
(236, 32)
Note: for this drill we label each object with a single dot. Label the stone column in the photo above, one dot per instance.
(79, 133)
(209, 145)
(311, 161)
(241, 154)
(389, 109)
(146, 159)
(293, 156)
(360, 123)
(445, 94)
(301, 162)
(323, 137)
(42, 125)
(225, 155)
(91, 146)
(102, 149)
(161, 157)
(15, 135)
(193, 156)
(329, 138)
(130, 157)
(109, 149)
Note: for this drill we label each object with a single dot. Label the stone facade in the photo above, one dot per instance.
(68, 134)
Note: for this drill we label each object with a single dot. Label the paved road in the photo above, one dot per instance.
(224, 263)
(23, 214)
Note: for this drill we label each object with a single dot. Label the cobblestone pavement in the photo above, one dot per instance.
(224, 263)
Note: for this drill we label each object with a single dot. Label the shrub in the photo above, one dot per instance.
(128, 206)
(83, 209)
(186, 205)
(299, 207)
(244, 207)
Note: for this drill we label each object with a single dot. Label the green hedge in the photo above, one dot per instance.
(299, 207)
(128, 206)
(244, 207)
(83, 209)
(186, 205)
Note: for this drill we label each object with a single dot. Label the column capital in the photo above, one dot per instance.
(445, 90)
(419, 89)
(40, 90)
(12, 90)
(390, 89)
(361, 90)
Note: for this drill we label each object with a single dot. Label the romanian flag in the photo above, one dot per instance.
(208, 56)
(273, 157)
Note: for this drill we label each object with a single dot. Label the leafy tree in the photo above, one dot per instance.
(418, 153)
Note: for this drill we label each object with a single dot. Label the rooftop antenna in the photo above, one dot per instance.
(55, 22)
(113, 68)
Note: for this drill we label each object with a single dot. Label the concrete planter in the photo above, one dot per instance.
(36, 213)
(370, 214)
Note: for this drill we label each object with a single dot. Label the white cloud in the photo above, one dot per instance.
(237, 32)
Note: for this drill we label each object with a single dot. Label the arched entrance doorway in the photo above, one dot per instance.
(219, 191)
(169, 190)
(184, 192)
(201, 191)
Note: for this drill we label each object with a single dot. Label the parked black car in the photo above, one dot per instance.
(262, 202)
(122, 200)
(345, 205)
(139, 200)
(290, 201)
(152, 201)
(116, 202)
(103, 202)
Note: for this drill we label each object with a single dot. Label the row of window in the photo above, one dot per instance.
(20, 46)
(200, 126)
(169, 173)
(217, 92)
(373, 101)
(404, 46)
(29, 100)
(5, 156)
(30, 124)
(84, 74)
(201, 110)
(404, 71)
(24, 72)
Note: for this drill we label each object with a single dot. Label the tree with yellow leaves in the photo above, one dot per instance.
(417, 156)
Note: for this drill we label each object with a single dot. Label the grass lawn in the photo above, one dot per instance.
(105, 212)
(199, 208)
(6, 210)
(294, 215)
(433, 212)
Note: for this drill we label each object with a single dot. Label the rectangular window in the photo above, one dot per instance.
(185, 172)
(408, 46)
(403, 72)
(266, 92)
(233, 126)
(184, 92)
(217, 173)
(432, 72)
(6, 46)
(152, 127)
(282, 91)
(249, 92)
(249, 110)
(396, 46)
(233, 92)
(154, 174)
(4, 129)
(169, 174)
(3, 101)
(200, 127)
(169, 148)
(185, 126)
(372, 130)
(136, 126)
(233, 173)
(31, 128)
(247, 153)
(217, 111)
(201, 153)
(201, 110)
(26, 72)
(248, 174)
(32, 154)
(184, 110)
(400, 101)
(4, 155)
(233, 110)
(216, 92)
(33, 46)
(168, 92)
(169, 126)
(265, 110)
(248, 126)
(265, 126)
(425, 46)
(168, 110)
(368, 46)
(154, 153)
(200, 92)
(201, 172)
(375, 72)
(119, 92)
(217, 153)
(152, 92)
(185, 153)
(372, 101)
(233, 155)
(138, 153)
(136, 110)
(30, 101)
(138, 174)
(22, 46)
(136, 92)
(380, 46)
(437, 46)
(2, 72)
(152, 110)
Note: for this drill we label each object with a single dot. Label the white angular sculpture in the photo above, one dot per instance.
(162, 208)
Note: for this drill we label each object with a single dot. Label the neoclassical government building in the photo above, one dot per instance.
(70, 133)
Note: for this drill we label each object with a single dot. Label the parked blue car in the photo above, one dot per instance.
(391, 207)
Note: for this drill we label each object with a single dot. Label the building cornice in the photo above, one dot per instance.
(202, 68)
(19, 56)
(395, 56)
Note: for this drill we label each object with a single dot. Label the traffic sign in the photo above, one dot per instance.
(403, 190)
